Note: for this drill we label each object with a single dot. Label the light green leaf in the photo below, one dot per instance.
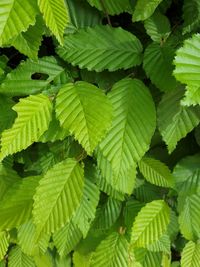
(113, 7)
(31, 77)
(16, 206)
(158, 27)
(17, 258)
(56, 200)
(158, 66)
(107, 48)
(162, 244)
(15, 17)
(66, 238)
(190, 256)
(4, 244)
(79, 109)
(150, 224)
(28, 43)
(86, 212)
(112, 252)
(34, 115)
(55, 13)
(176, 121)
(189, 218)
(144, 9)
(130, 134)
(156, 172)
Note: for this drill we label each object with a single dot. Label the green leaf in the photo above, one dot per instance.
(17, 258)
(21, 81)
(176, 121)
(191, 16)
(113, 251)
(190, 256)
(158, 27)
(56, 200)
(56, 16)
(150, 224)
(16, 206)
(158, 66)
(87, 209)
(7, 178)
(4, 244)
(28, 43)
(82, 15)
(15, 17)
(189, 218)
(79, 109)
(34, 115)
(7, 115)
(113, 7)
(130, 134)
(144, 9)
(66, 238)
(131, 210)
(187, 69)
(162, 244)
(156, 172)
(107, 214)
(107, 48)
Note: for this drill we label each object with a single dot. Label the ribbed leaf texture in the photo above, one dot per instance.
(33, 118)
(21, 81)
(85, 111)
(15, 17)
(107, 48)
(107, 214)
(82, 15)
(156, 172)
(191, 15)
(130, 134)
(56, 200)
(56, 16)
(162, 244)
(28, 241)
(174, 120)
(190, 255)
(28, 43)
(112, 252)
(188, 69)
(87, 209)
(113, 7)
(157, 27)
(189, 218)
(66, 238)
(144, 9)
(4, 244)
(16, 206)
(18, 259)
(150, 224)
(158, 66)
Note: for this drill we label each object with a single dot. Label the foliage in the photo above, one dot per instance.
(99, 133)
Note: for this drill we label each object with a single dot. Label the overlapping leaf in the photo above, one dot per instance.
(58, 196)
(130, 134)
(158, 66)
(15, 17)
(174, 120)
(4, 244)
(31, 77)
(56, 16)
(150, 224)
(113, 7)
(79, 109)
(144, 9)
(18, 259)
(190, 255)
(16, 206)
(107, 48)
(33, 118)
(191, 15)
